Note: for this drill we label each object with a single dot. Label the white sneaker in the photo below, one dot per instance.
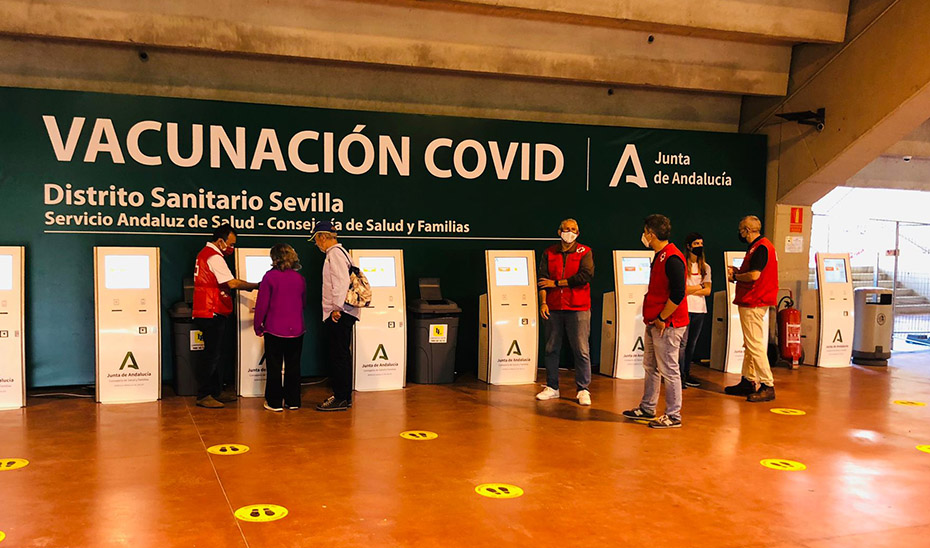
(275, 409)
(547, 394)
(584, 397)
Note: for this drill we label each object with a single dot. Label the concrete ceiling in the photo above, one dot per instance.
(906, 165)
(696, 55)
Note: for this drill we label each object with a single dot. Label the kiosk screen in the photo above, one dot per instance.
(126, 271)
(6, 272)
(511, 271)
(378, 270)
(635, 270)
(834, 271)
(256, 267)
(738, 262)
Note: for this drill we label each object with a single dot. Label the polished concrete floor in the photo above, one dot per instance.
(139, 475)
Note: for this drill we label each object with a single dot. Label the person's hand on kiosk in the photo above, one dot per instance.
(546, 283)
(544, 311)
(731, 273)
(336, 315)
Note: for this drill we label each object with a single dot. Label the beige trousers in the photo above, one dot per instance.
(755, 341)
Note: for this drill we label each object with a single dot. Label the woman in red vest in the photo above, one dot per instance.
(665, 312)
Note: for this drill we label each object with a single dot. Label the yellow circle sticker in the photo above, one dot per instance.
(12, 464)
(786, 411)
(2, 536)
(419, 435)
(499, 490)
(261, 512)
(924, 448)
(910, 403)
(782, 464)
(228, 449)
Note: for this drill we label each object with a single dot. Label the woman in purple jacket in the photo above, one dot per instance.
(279, 318)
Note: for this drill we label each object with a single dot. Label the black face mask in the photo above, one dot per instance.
(742, 238)
(697, 251)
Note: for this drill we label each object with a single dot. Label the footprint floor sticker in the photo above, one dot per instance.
(924, 448)
(783, 464)
(12, 464)
(228, 449)
(786, 411)
(419, 435)
(910, 403)
(499, 490)
(261, 512)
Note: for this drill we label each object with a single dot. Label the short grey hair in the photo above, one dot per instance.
(569, 220)
(753, 223)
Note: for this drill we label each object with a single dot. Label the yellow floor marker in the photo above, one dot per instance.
(910, 403)
(786, 411)
(2, 536)
(783, 464)
(12, 464)
(228, 449)
(419, 435)
(499, 490)
(261, 512)
(924, 448)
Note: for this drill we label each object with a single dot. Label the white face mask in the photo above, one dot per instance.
(568, 236)
(644, 240)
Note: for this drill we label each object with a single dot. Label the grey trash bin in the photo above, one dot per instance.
(435, 329)
(188, 349)
(874, 326)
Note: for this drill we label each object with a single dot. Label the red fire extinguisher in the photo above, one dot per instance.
(789, 331)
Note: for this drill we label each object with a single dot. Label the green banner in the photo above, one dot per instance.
(84, 169)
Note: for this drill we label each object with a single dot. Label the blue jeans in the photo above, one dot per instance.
(577, 324)
(660, 361)
(692, 335)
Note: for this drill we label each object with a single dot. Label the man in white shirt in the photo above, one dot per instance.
(213, 283)
(338, 316)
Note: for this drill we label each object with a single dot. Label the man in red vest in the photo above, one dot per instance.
(565, 272)
(756, 290)
(212, 305)
(665, 312)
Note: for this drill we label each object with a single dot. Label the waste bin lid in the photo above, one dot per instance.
(440, 306)
(180, 311)
(430, 290)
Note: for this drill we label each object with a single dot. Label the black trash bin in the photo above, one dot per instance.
(188, 349)
(434, 333)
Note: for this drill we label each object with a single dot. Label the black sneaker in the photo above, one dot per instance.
(638, 413)
(665, 422)
(692, 382)
(744, 388)
(330, 404)
(764, 393)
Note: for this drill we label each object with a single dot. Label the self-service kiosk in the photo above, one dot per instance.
(127, 298)
(380, 341)
(251, 266)
(622, 329)
(12, 347)
(726, 343)
(827, 317)
(508, 342)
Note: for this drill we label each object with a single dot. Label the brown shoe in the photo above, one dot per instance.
(209, 402)
(228, 397)
(764, 393)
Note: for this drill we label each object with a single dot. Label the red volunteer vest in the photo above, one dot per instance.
(567, 298)
(209, 298)
(658, 293)
(764, 291)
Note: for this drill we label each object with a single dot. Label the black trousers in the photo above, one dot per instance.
(209, 373)
(283, 351)
(338, 336)
(695, 325)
